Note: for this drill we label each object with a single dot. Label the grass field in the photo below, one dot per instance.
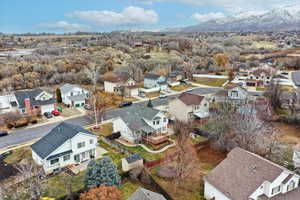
(105, 130)
(214, 82)
(18, 155)
(182, 87)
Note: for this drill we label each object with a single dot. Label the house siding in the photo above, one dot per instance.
(211, 192)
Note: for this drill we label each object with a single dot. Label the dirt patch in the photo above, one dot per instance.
(287, 133)
(6, 170)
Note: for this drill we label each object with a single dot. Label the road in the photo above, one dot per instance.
(24, 135)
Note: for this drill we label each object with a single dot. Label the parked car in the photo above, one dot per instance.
(125, 104)
(55, 113)
(189, 90)
(284, 73)
(3, 133)
(142, 95)
(4, 155)
(162, 96)
(87, 107)
(48, 115)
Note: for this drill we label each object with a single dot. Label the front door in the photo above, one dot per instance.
(77, 158)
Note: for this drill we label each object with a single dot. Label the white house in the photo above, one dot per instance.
(73, 95)
(234, 94)
(264, 74)
(296, 156)
(122, 85)
(189, 106)
(8, 103)
(64, 145)
(246, 176)
(137, 121)
(155, 81)
(35, 101)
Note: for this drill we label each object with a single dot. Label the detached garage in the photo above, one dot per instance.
(47, 108)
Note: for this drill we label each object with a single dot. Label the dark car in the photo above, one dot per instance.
(4, 155)
(3, 133)
(48, 115)
(87, 107)
(125, 104)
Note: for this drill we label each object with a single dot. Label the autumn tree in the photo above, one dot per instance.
(58, 95)
(274, 92)
(102, 193)
(222, 60)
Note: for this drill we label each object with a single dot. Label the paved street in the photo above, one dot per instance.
(21, 136)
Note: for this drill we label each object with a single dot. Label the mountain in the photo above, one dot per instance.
(281, 19)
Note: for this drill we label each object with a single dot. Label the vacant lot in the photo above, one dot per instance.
(287, 133)
(182, 87)
(214, 82)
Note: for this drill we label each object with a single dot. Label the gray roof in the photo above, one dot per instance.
(32, 94)
(133, 158)
(80, 97)
(133, 116)
(152, 76)
(67, 87)
(144, 194)
(56, 137)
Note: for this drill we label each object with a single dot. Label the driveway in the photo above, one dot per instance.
(296, 78)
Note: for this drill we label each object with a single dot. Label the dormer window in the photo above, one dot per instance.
(291, 185)
(276, 190)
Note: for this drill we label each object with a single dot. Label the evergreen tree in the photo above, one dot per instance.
(150, 105)
(58, 95)
(103, 172)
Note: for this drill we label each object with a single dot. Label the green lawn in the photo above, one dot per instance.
(146, 155)
(214, 82)
(113, 154)
(128, 188)
(182, 87)
(18, 155)
(55, 186)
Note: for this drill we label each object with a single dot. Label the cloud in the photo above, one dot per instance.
(208, 16)
(129, 17)
(65, 26)
(230, 5)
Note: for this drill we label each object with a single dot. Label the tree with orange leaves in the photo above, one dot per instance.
(102, 193)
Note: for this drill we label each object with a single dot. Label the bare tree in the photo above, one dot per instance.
(93, 72)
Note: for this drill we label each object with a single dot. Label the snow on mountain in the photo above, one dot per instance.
(281, 19)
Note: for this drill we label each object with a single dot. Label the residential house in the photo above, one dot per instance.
(262, 75)
(137, 121)
(296, 156)
(144, 194)
(176, 76)
(234, 95)
(8, 103)
(189, 106)
(122, 85)
(73, 95)
(132, 162)
(64, 145)
(155, 81)
(246, 176)
(36, 101)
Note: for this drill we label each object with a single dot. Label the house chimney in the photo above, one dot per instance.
(296, 156)
(27, 106)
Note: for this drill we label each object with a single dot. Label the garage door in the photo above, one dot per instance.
(47, 108)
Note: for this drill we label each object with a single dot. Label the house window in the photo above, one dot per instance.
(52, 162)
(80, 145)
(276, 190)
(165, 119)
(205, 105)
(67, 157)
(291, 185)
(71, 93)
(234, 94)
(91, 141)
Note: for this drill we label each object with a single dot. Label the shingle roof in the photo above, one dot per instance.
(118, 79)
(133, 158)
(152, 76)
(67, 87)
(133, 115)
(80, 97)
(144, 194)
(241, 173)
(32, 94)
(56, 137)
(191, 99)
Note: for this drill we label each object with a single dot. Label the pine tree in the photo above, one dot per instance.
(103, 172)
(58, 95)
(150, 105)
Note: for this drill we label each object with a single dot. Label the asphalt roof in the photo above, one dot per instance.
(133, 158)
(31, 94)
(56, 137)
(152, 76)
(67, 87)
(144, 194)
(80, 97)
(133, 116)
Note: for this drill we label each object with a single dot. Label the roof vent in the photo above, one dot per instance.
(254, 169)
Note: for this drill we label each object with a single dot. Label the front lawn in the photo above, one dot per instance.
(214, 82)
(18, 155)
(105, 130)
(182, 87)
(152, 94)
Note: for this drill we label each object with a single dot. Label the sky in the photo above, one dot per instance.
(60, 16)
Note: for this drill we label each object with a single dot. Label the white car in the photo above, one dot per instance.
(162, 96)
(189, 90)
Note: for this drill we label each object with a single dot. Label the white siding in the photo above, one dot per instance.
(211, 192)
(109, 86)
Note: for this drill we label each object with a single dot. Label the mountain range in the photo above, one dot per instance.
(286, 18)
